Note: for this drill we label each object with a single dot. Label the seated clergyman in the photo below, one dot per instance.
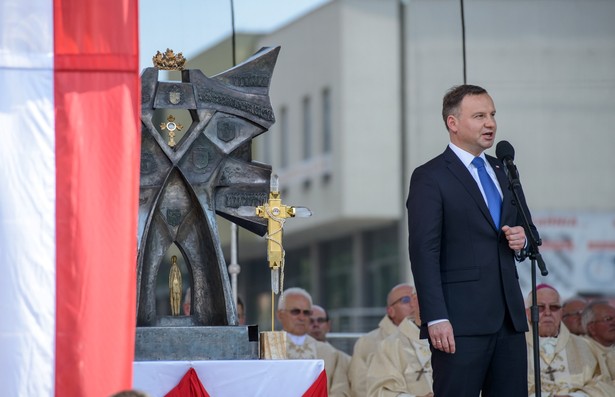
(294, 311)
(599, 322)
(568, 367)
(401, 365)
(399, 306)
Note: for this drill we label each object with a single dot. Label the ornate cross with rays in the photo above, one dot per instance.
(276, 214)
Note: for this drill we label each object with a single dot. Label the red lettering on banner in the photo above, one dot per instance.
(601, 245)
(556, 221)
(563, 245)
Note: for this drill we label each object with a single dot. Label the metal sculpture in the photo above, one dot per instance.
(209, 171)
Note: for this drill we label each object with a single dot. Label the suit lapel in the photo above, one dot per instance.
(463, 175)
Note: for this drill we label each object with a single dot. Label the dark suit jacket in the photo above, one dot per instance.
(463, 269)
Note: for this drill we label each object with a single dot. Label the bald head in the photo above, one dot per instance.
(402, 303)
(398, 291)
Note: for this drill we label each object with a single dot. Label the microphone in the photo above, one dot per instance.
(506, 154)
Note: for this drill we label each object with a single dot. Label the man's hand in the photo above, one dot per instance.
(441, 336)
(515, 236)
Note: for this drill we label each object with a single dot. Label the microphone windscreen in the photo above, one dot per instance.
(504, 150)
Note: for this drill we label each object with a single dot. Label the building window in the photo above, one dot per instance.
(382, 263)
(336, 269)
(298, 269)
(307, 128)
(326, 121)
(284, 144)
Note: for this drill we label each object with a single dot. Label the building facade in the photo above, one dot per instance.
(357, 93)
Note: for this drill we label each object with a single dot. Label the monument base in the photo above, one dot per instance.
(197, 343)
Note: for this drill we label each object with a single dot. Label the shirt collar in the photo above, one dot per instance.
(465, 157)
(298, 340)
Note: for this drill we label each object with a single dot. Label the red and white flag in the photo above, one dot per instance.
(69, 183)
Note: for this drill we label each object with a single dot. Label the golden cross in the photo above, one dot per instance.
(171, 126)
(276, 214)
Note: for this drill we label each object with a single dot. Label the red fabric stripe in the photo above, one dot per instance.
(189, 386)
(108, 62)
(97, 164)
(319, 387)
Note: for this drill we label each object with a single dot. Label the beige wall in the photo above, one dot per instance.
(550, 66)
(331, 48)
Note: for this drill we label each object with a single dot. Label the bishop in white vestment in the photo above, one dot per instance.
(336, 363)
(568, 367)
(401, 365)
(294, 311)
(599, 323)
(401, 303)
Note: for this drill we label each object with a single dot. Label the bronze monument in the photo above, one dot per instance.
(184, 184)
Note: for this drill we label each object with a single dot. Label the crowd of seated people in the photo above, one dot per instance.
(576, 346)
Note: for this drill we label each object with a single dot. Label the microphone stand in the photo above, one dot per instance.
(536, 259)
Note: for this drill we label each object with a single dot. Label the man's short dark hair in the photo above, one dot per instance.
(129, 393)
(454, 96)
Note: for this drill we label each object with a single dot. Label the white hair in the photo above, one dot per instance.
(589, 315)
(528, 298)
(293, 291)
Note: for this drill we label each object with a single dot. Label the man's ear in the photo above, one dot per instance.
(278, 315)
(390, 311)
(451, 123)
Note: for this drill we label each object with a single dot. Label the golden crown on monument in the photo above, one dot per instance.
(168, 60)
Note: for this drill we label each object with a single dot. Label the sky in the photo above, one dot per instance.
(190, 26)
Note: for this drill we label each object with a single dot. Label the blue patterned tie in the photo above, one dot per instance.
(494, 202)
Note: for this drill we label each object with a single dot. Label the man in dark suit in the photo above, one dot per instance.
(464, 237)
